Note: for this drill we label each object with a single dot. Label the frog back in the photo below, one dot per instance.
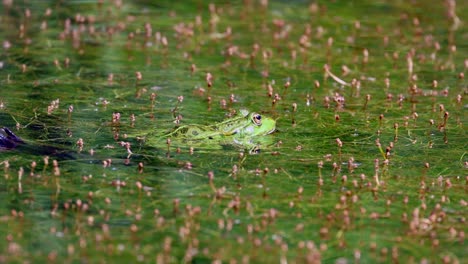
(193, 132)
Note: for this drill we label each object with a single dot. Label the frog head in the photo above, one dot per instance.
(257, 125)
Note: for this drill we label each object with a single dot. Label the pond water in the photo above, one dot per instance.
(368, 163)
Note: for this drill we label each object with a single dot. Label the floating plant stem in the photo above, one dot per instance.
(193, 69)
(70, 111)
(210, 181)
(387, 84)
(386, 163)
(435, 83)
(294, 110)
(139, 77)
(46, 164)
(316, 90)
(376, 172)
(175, 208)
(33, 167)
(242, 158)
(168, 143)
(287, 84)
(395, 128)
(381, 117)
(429, 132)
(336, 170)
(209, 82)
(264, 175)
(127, 147)
(443, 125)
(320, 166)
(180, 99)
(80, 144)
(425, 170)
(132, 120)
(338, 80)
(6, 166)
(409, 63)
(153, 101)
(57, 179)
(20, 176)
(340, 146)
(140, 168)
(110, 79)
(379, 146)
(368, 98)
(274, 101)
(459, 111)
(320, 180)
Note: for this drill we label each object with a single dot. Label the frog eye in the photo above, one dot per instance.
(257, 119)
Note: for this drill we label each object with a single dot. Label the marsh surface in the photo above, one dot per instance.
(368, 164)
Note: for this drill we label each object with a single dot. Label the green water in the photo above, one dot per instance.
(306, 199)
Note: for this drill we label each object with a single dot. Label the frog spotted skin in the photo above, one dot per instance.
(243, 125)
(243, 130)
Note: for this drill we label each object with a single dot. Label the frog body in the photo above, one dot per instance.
(244, 130)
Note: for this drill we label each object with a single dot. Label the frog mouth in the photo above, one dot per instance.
(271, 131)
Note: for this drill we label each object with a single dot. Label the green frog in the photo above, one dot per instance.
(244, 130)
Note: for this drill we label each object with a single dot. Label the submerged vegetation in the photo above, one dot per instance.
(368, 163)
